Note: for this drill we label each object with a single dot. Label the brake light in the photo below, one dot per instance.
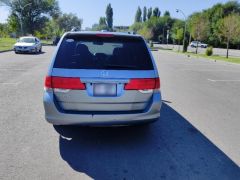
(143, 84)
(48, 82)
(105, 35)
(64, 83)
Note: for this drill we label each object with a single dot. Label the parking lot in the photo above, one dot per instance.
(197, 136)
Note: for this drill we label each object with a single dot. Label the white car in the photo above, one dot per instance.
(28, 45)
(194, 44)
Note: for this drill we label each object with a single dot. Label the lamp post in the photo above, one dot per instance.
(185, 25)
(20, 16)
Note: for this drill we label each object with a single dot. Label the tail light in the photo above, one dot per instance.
(143, 84)
(64, 83)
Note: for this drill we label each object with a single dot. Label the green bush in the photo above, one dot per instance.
(209, 51)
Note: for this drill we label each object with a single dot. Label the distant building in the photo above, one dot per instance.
(121, 28)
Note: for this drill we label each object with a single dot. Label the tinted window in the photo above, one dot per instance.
(93, 52)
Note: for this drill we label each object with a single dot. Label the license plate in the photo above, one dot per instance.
(104, 89)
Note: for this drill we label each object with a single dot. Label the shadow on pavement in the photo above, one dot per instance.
(171, 148)
(39, 53)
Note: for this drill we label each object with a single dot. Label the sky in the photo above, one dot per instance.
(124, 11)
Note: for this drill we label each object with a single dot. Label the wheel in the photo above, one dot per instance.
(40, 50)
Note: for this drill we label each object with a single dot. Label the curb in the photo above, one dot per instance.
(6, 51)
(43, 44)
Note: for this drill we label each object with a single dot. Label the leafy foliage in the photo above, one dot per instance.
(149, 13)
(156, 12)
(146, 32)
(177, 30)
(229, 29)
(138, 16)
(154, 28)
(209, 51)
(109, 17)
(3, 30)
(105, 23)
(199, 27)
(215, 15)
(32, 13)
(166, 13)
(144, 13)
(67, 21)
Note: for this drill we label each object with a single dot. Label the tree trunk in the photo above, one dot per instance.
(197, 47)
(227, 48)
(190, 39)
(178, 45)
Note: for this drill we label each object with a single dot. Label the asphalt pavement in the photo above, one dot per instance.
(197, 136)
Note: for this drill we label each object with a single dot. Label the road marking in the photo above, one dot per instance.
(224, 80)
(9, 69)
(209, 70)
(10, 83)
(210, 64)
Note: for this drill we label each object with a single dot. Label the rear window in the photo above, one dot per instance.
(111, 53)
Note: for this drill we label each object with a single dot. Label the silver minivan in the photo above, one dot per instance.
(102, 78)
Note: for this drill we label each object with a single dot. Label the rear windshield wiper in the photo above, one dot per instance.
(120, 66)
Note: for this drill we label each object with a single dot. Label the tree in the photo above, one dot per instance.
(3, 30)
(166, 13)
(179, 37)
(138, 16)
(214, 14)
(156, 12)
(31, 15)
(109, 17)
(102, 21)
(144, 13)
(136, 27)
(102, 25)
(146, 32)
(67, 21)
(199, 27)
(230, 29)
(149, 13)
(177, 29)
(156, 25)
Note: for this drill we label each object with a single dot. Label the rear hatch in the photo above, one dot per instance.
(103, 73)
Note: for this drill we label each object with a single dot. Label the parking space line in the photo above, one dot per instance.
(10, 83)
(9, 69)
(202, 65)
(224, 80)
(210, 70)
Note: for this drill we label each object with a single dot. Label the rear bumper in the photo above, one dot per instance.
(56, 117)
